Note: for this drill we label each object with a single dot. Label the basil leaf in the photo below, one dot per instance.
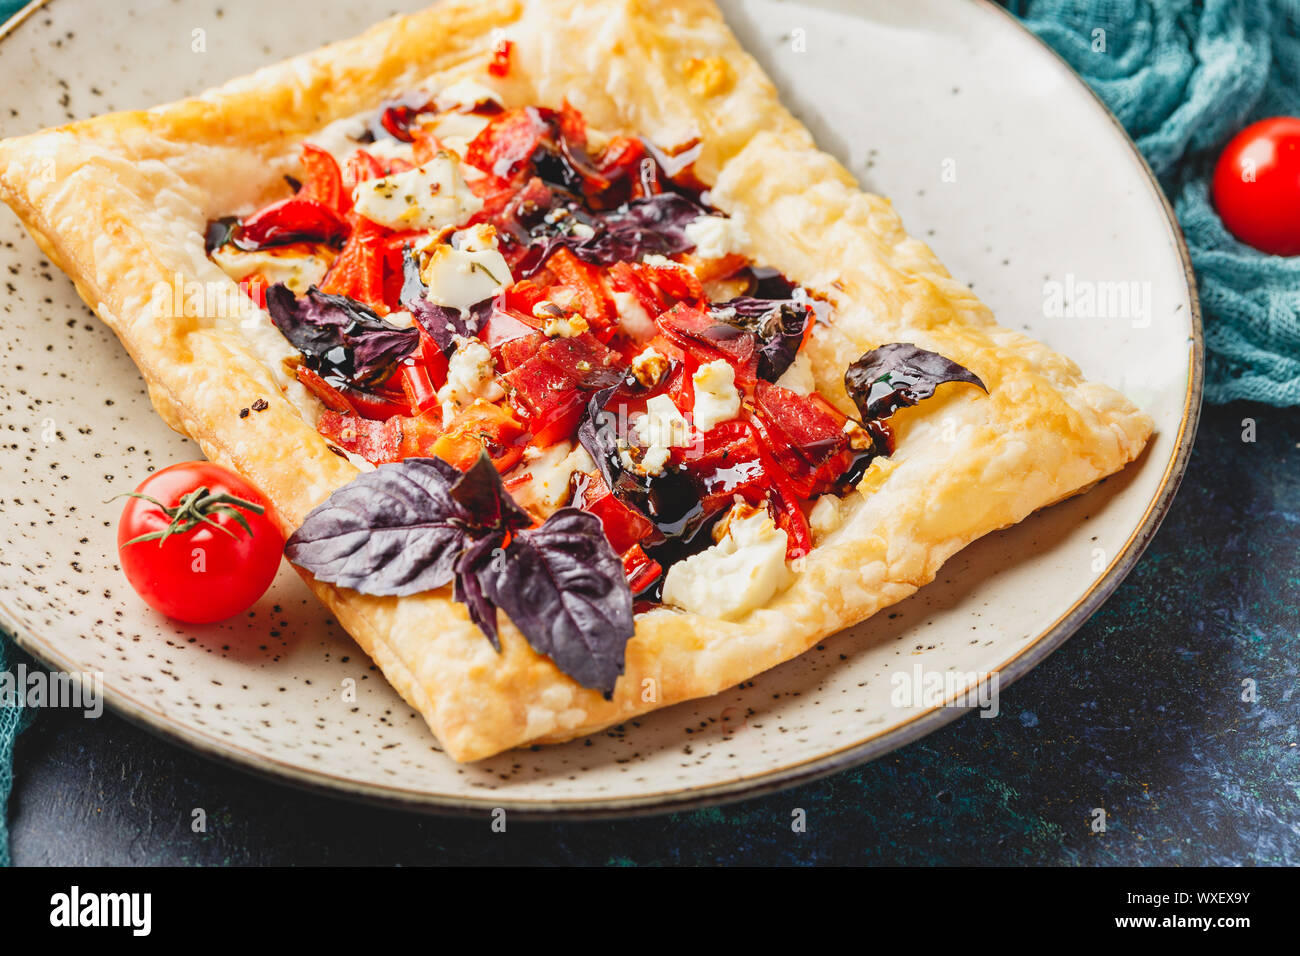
(469, 590)
(339, 337)
(778, 323)
(900, 374)
(419, 524)
(482, 496)
(395, 530)
(564, 588)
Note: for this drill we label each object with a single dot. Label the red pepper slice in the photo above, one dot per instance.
(358, 272)
(322, 180)
(640, 569)
(291, 220)
(623, 526)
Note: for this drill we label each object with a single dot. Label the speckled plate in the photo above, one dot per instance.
(994, 153)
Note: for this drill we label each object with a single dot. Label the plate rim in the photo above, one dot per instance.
(768, 781)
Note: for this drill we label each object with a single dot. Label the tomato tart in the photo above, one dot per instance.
(585, 382)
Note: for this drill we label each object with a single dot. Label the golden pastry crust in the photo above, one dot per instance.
(120, 203)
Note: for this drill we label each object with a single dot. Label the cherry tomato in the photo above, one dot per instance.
(203, 571)
(1257, 185)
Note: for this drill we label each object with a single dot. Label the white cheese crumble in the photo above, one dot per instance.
(650, 367)
(716, 398)
(715, 236)
(427, 197)
(739, 573)
(548, 471)
(565, 327)
(661, 429)
(456, 130)
(798, 377)
(470, 375)
(468, 269)
(295, 270)
(635, 322)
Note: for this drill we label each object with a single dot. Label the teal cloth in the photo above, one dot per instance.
(13, 717)
(1183, 76)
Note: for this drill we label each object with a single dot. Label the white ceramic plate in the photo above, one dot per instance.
(994, 153)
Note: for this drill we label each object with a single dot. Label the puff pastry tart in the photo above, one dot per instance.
(591, 385)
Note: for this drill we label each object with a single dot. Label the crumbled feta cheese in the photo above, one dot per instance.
(798, 378)
(466, 270)
(401, 318)
(650, 367)
(662, 424)
(715, 236)
(739, 573)
(548, 470)
(427, 197)
(470, 376)
(295, 270)
(656, 261)
(716, 398)
(661, 429)
(455, 131)
(635, 322)
(565, 327)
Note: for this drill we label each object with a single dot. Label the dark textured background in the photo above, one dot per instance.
(1140, 713)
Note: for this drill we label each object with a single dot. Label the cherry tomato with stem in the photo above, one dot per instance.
(198, 543)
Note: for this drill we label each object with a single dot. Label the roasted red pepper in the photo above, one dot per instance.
(290, 220)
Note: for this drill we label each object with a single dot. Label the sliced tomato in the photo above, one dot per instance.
(516, 351)
(705, 340)
(726, 462)
(375, 441)
(483, 426)
(676, 284)
(585, 280)
(291, 220)
(551, 388)
(623, 277)
(624, 526)
(504, 148)
(805, 435)
(322, 180)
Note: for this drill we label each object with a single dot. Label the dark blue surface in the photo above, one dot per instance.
(1140, 714)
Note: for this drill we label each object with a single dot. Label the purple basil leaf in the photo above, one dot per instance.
(340, 338)
(469, 591)
(897, 375)
(564, 588)
(395, 530)
(483, 496)
(779, 325)
(442, 323)
(652, 226)
(599, 436)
